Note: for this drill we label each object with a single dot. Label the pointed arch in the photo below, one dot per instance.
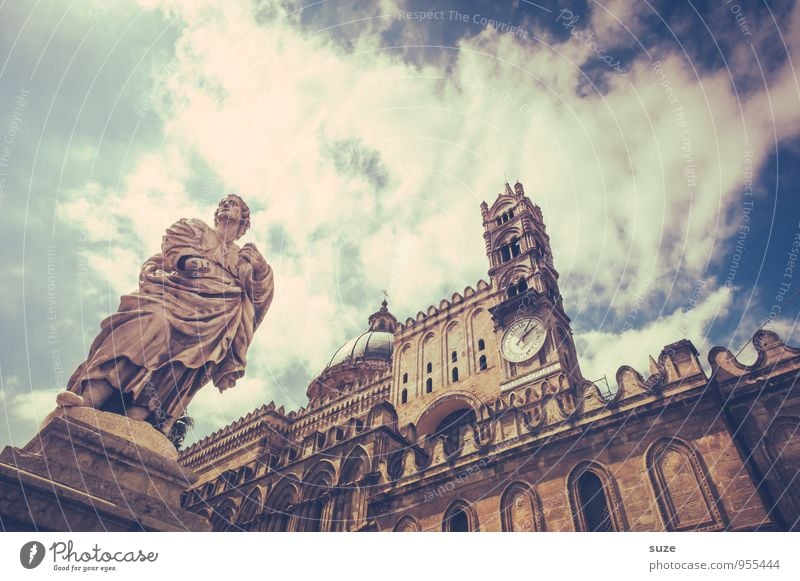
(406, 367)
(382, 414)
(683, 490)
(318, 478)
(520, 509)
(280, 506)
(782, 444)
(594, 499)
(430, 356)
(482, 334)
(460, 517)
(251, 507)
(455, 346)
(407, 524)
(350, 507)
(317, 481)
(222, 519)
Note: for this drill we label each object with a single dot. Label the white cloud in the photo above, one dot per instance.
(25, 410)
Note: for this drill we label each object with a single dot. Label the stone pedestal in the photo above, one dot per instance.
(88, 470)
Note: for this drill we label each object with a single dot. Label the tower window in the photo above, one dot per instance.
(515, 248)
(429, 385)
(510, 214)
(404, 396)
(454, 356)
(499, 221)
(512, 291)
(481, 344)
(482, 363)
(522, 285)
(405, 378)
(505, 253)
(455, 374)
(429, 367)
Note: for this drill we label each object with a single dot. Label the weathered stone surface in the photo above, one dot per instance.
(89, 470)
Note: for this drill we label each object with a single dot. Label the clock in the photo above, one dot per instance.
(523, 339)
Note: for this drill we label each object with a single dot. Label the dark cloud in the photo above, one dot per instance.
(351, 157)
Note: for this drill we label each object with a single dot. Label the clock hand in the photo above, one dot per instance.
(530, 328)
(525, 333)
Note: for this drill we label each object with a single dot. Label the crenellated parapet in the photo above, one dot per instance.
(433, 313)
(257, 434)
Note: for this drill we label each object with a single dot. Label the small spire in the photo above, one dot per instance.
(653, 366)
(509, 191)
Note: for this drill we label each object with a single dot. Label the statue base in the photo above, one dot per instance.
(88, 470)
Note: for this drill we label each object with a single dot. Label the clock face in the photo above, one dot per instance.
(523, 339)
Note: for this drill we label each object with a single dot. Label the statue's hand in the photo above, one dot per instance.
(254, 257)
(196, 264)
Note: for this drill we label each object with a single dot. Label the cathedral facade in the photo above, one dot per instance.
(474, 416)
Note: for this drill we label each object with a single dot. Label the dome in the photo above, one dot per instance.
(359, 358)
(368, 345)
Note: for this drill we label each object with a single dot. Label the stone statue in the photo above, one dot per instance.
(199, 303)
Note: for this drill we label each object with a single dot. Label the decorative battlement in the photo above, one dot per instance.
(432, 311)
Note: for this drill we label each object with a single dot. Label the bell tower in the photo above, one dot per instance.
(533, 329)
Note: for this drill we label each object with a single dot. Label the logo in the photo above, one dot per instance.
(31, 554)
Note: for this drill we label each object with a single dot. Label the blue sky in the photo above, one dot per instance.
(661, 140)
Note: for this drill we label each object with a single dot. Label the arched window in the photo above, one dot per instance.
(280, 505)
(505, 253)
(458, 522)
(515, 248)
(510, 214)
(512, 291)
(594, 504)
(404, 396)
(782, 444)
(593, 499)
(350, 510)
(406, 525)
(499, 221)
(428, 385)
(522, 286)
(454, 356)
(455, 374)
(459, 518)
(682, 487)
(222, 518)
(405, 378)
(482, 365)
(481, 345)
(518, 509)
(429, 367)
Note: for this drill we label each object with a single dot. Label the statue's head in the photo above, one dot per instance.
(232, 207)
